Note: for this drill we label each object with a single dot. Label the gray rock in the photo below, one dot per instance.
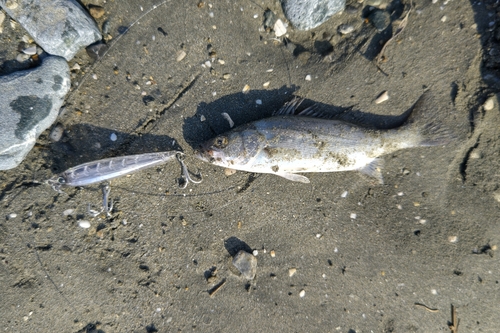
(308, 14)
(246, 264)
(60, 27)
(29, 104)
(379, 19)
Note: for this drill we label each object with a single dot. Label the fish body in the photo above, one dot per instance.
(287, 144)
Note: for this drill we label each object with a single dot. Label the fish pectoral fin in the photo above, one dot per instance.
(374, 169)
(293, 177)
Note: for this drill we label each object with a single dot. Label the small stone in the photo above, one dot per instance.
(443, 19)
(489, 104)
(246, 89)
(246, 264)
(21, 57)
(84, 224)
(373, 3)
(113, 137)
(345, 29)
(353, 216)
(12, 216)
(306, 15)
(68, 212)
(258, 101)
(452, 239)
(380, 19)
(96, 11)
(181, 54)
(272, 253)
(382, 97)
(56, 133)
(203, 118)
(226, 76)
(308, 77)
(279, 28)
(97, 51)
(266, 84)
(302, 293)
(30, 49)
(292, 271)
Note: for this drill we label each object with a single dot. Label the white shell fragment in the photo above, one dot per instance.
(489, 104)
(279, 28)
(181, 54)
(266, 84)
(228, 118)
(84, 224)
(308, 77)
(292, 271)
(382, 97)
(302, 293)
(246, 88)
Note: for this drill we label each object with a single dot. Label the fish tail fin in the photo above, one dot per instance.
(423, 120)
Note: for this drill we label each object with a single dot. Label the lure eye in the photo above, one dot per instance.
(61, 180)
(220, 142)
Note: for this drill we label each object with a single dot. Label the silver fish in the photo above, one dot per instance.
(288, 143)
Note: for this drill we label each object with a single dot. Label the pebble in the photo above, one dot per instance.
(68, 212)
(489, 104)
(246, 264)
(21, 57)
(380, 19)
(12, 216)
(113, 137)
(345, 29)
(353, 216)
(272, 253)
(344, 194)
(382, 97)
(452, 239)
(306, 15)
(61, 28)
(266, 84)
(97, 51)
(181, 54)
(84, 224)
(106, 27)
(30, 49)
(29, 111)
(229, 172)
(246, 89)
(258, 102)
(56, 133)
(96, 11)
(308, 77)
(292, 271)
(279, 28)
(302, 293)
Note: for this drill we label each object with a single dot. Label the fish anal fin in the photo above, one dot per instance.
(374, 170)
(293, 177)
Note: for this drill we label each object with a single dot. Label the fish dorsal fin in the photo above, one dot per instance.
(289, 108)
(374, 169)
(313, 112)
(293, 177)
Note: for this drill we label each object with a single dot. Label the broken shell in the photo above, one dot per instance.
(228, 118)
(382, 97)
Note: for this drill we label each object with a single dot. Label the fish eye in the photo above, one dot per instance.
(220, 142)
(61, 180)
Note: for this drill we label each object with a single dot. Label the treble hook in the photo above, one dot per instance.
(185, 172)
